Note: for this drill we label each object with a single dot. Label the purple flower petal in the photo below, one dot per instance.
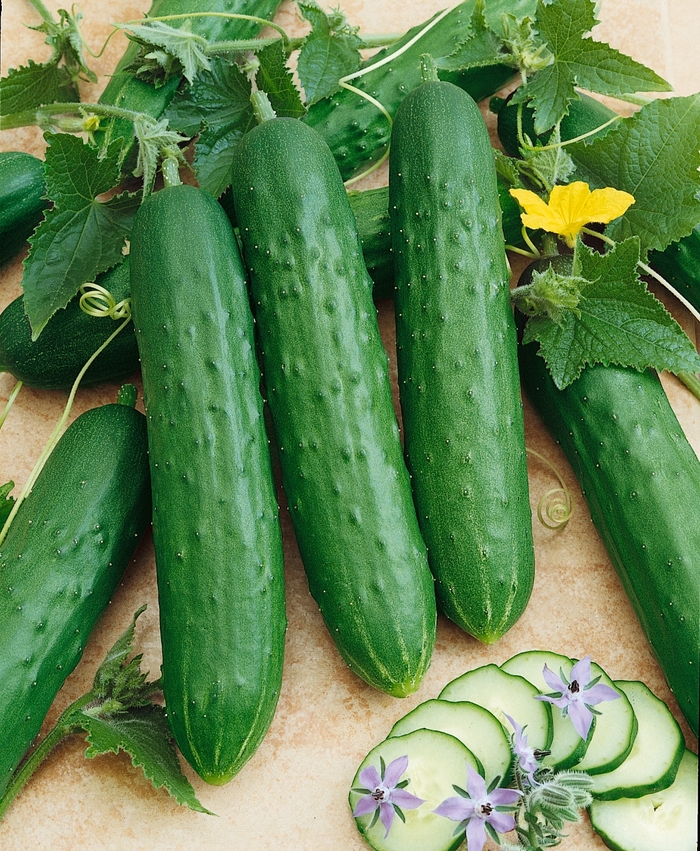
(455, 809)
(599, 693)
(476, 785)
(581, 672)
(366, 805)
(394, 770)
(553, 681)
(386, 816)
(501, 822)
(406, 800)
(504, 797)
(581, 718)
(561, 702)
(476, 834)
(370, 778)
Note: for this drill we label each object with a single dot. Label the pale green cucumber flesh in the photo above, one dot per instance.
(658, 747)
(473, 725)
(505, 694)
(567, 747)
(436, 763)
(660, 821)
(615, 730)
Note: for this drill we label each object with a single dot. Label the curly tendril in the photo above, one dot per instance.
(95, 300)
(555, 507)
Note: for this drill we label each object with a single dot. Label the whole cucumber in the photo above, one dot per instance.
(216, 531)
(462, 412)
(641, 480)
(327, 382)
(63, 556)
(22, 200)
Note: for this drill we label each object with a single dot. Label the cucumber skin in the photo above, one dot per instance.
(63, 556)
(679, 263)
(22, 200)
(357, 131)
(641, 480)
(216, 528)
(71, 336)
(457, 362)
(326, 375)
(128, 92)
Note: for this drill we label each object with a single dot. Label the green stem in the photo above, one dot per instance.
(42, 10)
(10, 402)
(170, 169)
(230, 15)
(43, 114)
(262, 107)
(63, 728)
(691, 381)
(556, 145)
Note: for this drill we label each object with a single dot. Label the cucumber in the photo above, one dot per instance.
(666, 819)
(357, 132)
(63, 556)
(216, 530)
(641, 481)
(567, 747)
(464, 433)
(71, 336)
(474, 726)
(679, 264)
(585, 114)
(327, 383)
(656, 753)
(22, 200)
(505, 694)
(125, 90)
(436, 763)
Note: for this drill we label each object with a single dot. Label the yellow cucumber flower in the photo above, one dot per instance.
(571, 208)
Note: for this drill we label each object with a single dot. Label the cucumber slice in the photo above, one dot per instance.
(653, 762)
(567, 747)
(656, 822)
(436, 761)
(614, 734)
(473, 725)
(505, 694)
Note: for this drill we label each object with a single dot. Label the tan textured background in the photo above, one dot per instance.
(292, 794)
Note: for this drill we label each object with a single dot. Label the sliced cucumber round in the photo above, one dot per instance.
(436, 762)
(505, 694)
(661, 820)
(658, 747)
(614, 734)
(473, 725)
(567, 747)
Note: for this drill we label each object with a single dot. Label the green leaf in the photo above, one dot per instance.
(217, 106)
(579, 61)
(6, 502)
(181, 43)
(275, 79)
(616, 320)
(58, 264)
(654, 156)
(29, 86)
(482, 47)
(144, 734)
(329, 52)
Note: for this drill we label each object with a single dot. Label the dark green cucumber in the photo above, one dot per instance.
(679, 264)
(216, 529)
(641, 480)
(457, 361)
(371, 210)
(22, 200)
(327, 383)
(71, 336)
(64, 554)
(128, 92)
(357, 131)
(585, 115)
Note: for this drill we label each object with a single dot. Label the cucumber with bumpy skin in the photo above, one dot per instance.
(462, 412)
(63, 556)
(327, 383)
(641, 481)
(22, 200)
(216, 530)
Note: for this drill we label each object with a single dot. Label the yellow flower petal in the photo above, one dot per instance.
(571, 208)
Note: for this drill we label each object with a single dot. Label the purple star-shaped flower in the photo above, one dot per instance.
(576, 697)
(526, 755)
(385, 792)
(480, 808)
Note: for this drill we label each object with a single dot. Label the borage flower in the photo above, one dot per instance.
(479, 810)
(385, 794)
(527, 757)
(571, 208)
(577, 697)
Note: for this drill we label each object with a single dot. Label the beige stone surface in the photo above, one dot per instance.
(293, 792)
